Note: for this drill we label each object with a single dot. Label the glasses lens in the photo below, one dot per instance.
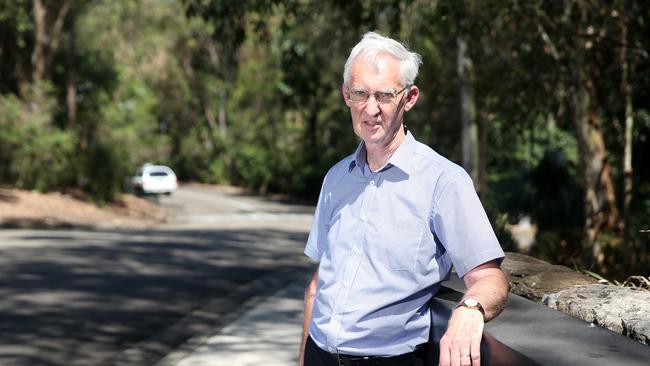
(359, 95)
(385, 96)
(362, 95)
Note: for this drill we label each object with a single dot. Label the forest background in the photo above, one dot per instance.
(545, 103)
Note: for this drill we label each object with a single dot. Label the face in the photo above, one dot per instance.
(375, 123)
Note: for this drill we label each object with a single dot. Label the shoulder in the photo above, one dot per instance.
(442, 170)
(338, 170)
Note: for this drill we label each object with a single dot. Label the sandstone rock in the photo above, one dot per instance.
(533, 278)
(621, 309)
(638, 330)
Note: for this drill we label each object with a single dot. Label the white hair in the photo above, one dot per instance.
(372, 44)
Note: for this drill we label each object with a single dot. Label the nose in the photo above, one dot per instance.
(372, 106)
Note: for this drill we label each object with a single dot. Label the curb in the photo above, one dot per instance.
(180, 339)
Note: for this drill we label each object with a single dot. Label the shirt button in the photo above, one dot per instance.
(363, 218)
(346, 284)
(372, 182)
(338, 317)
(356, 251)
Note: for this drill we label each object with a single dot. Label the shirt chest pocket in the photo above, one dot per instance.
(395, 244)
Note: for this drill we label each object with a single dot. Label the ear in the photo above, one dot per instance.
(411, 98)
(345, 95)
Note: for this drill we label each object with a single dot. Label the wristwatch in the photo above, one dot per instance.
(471, 304)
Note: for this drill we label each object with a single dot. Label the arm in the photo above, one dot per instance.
(487, 284)
(310, 293)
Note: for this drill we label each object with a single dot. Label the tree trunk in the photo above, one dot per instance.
(208, 113)
(223, 98)
(626, 88)
(600, 200)
(486, 121)
(46, 44)
(22, 78)
(469, 131)
(71, 87)
(222, 113)
(40, 41)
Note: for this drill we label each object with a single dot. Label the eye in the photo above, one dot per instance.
(385, 96)
(358, 94)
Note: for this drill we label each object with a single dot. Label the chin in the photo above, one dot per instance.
(374, 134)
(375, 138)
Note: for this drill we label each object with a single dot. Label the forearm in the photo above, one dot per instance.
(310, 293)
(461, 343)
(491, 290)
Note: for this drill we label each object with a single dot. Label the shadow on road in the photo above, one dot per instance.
(84, 297)
(267, 335)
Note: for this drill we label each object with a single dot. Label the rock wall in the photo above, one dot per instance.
(534, 278)
(621, 309)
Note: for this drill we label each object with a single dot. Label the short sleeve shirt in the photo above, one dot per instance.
(385, 241)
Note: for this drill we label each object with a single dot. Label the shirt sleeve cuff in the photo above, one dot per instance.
(478, 259)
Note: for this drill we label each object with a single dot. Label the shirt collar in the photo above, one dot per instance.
(359, 157)
(402, 158)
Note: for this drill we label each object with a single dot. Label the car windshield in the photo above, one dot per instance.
(158, 174)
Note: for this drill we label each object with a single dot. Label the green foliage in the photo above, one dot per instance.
(43, 160)
(558, 246)
(254, 165)
(10, 110)
(35, 155)
(104, 167)
(194, 161)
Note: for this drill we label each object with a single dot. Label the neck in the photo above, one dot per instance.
(377, 154)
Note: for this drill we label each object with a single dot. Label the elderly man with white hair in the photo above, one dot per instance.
(392, 218)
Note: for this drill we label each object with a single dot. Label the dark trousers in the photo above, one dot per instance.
(314, 356)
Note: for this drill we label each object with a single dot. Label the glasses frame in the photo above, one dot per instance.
(374, 95)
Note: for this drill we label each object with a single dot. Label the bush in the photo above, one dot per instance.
(33, 153)
(196, 162)
(254, 166)
(105, 166)
(44, 159)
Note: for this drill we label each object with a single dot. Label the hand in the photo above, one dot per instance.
(461, 343)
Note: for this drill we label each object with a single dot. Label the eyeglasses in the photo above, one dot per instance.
(359, 95)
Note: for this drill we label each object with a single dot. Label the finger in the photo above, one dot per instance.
(475, 351)
(445, 359)
(465, 359)
(455, 356)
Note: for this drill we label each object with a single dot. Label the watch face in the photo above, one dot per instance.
(470, 302)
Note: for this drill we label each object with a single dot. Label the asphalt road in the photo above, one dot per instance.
(96, 297)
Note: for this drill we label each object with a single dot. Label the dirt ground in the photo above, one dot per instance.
(27, 209)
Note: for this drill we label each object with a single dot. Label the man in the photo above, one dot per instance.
(391, 220)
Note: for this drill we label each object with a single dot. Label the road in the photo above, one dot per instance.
(99, 297)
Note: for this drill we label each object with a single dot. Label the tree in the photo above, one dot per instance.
(48, 28)
(469, 127)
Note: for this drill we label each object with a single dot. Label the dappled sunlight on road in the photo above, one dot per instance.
(84, 297)
(268, 335)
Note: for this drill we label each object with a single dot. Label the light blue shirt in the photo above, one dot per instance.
(385, 240)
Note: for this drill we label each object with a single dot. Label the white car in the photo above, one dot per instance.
(154, 179)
